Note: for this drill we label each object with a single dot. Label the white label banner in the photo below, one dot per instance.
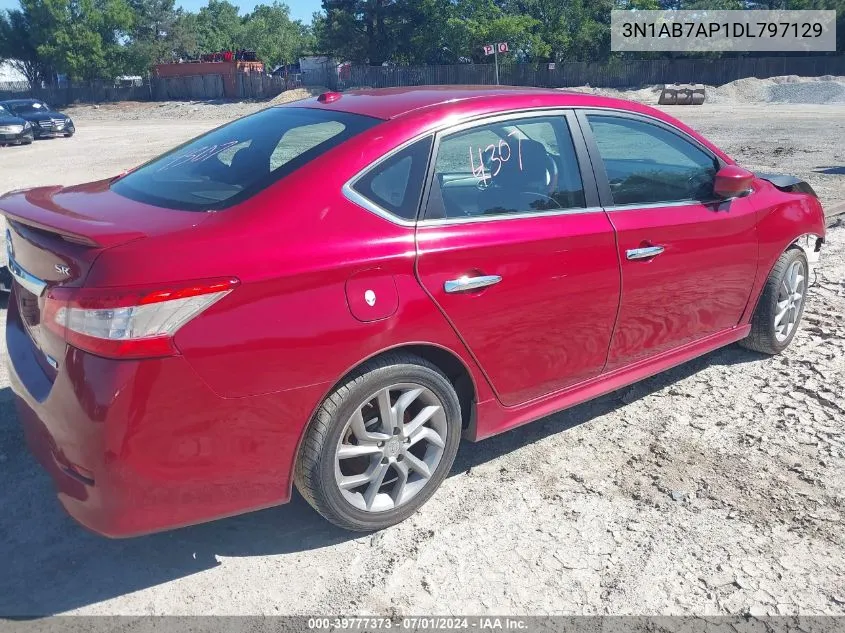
(722, 31)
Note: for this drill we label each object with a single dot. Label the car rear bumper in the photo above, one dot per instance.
(141, 446)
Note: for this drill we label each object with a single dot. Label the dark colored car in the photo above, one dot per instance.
(46, 123)
(13, 129)
(335, 292)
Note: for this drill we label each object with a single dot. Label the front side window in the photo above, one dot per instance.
(396, 183)
(648, 164)
(518, 166)
(235, 161)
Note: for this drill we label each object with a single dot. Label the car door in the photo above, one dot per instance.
(688, 260)
(517, 254)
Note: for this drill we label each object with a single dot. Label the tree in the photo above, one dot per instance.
(218, 26)
(21, 32)
(478, 22)
(158, 34)
(421, 37)
(360, 30)
(269, 31)
(86, 38)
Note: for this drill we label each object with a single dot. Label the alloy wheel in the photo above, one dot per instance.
(790, 300)
(390, 447)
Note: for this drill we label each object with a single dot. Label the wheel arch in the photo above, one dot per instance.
(445, 359)
(783, 221)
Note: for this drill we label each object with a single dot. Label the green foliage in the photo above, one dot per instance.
(270, 32)
(21, 32)
(90, 39)
(81, 38)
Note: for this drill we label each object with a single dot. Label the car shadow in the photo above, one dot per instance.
(836, 171)
(53, 565)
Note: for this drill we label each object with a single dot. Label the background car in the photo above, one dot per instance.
(46, 123)
(13, 129)
(335, 292)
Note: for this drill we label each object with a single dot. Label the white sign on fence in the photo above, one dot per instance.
(503, 47)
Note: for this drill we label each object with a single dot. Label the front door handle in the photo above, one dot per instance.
(463, 284)
(646, 252)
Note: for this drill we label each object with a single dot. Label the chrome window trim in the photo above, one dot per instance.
(504, 117)
(442, 129)
(519, 215)
(659, 205)
(372, 207)
(445, 128)
(353, 196)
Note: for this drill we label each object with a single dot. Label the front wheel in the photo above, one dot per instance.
(781, 305)
(381, 444)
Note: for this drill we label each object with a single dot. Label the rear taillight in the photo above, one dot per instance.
(131, 322)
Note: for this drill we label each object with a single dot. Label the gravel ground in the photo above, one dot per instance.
(714, 488)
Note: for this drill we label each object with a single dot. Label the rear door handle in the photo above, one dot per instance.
(646, 252)
(463, 284)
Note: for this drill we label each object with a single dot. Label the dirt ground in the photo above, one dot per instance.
(715, 488)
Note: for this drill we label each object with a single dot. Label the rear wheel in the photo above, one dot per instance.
(781, 305)
(381, 444)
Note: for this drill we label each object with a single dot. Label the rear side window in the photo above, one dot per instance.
(396, 183)
(236, 161)
(519, 166)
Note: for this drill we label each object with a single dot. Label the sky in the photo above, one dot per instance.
(299, 9)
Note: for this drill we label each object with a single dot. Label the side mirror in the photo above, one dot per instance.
(732, 181)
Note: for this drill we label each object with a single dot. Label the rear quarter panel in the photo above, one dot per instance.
(294, 247)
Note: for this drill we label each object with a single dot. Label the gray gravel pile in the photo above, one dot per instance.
(808, 92)
(749, 90)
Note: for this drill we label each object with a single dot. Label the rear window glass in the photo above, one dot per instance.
(233, 162)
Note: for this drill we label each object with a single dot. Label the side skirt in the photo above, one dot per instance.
(492, 418)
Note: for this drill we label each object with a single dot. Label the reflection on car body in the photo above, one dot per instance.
(333, 293)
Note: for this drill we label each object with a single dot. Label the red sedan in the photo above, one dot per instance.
(334, 292)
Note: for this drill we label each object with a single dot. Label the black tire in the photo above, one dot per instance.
(763, 337)
(69, 134)
(27, 140)
(315, 464)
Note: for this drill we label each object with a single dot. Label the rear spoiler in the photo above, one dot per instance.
(790, 184)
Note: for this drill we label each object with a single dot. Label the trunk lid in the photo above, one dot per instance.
(55, 234)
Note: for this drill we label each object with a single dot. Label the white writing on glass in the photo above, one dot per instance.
(198, 155)
(499, 154)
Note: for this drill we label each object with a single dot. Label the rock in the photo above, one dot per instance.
(715, 581)
(743, 583)
(758, 610)
(678, 495)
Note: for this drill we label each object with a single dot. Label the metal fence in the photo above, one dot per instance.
(78, 92)
(614, 74)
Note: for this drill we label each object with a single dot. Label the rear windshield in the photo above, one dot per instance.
(28, 107)
(234, 162)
